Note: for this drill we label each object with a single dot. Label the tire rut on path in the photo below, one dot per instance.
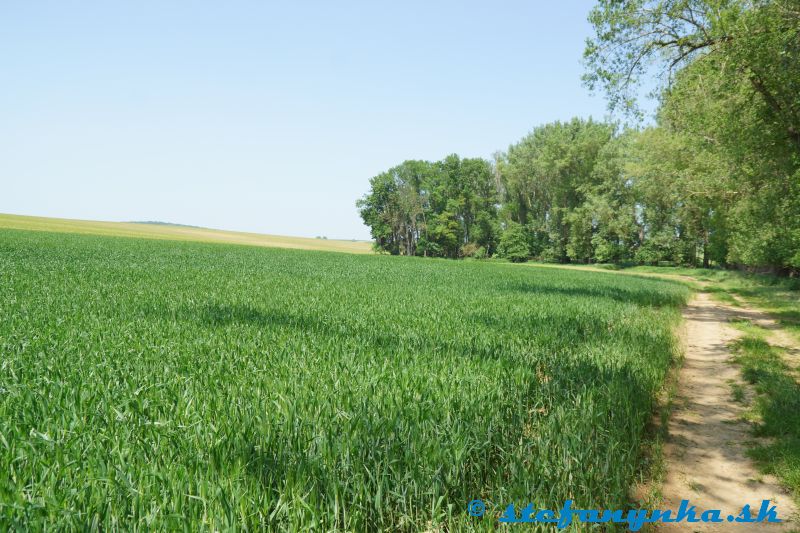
(705, 454)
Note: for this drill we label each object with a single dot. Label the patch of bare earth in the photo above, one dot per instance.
(705, 454)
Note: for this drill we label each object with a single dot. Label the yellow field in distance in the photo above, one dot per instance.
(178, 233)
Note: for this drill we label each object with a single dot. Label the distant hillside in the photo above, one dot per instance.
(180, 232)
(160, 223)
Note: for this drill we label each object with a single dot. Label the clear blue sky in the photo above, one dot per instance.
(265, 116)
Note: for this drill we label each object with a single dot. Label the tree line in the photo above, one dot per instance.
(715, 181)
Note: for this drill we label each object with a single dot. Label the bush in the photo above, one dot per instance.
(514, 244)
(473, 250)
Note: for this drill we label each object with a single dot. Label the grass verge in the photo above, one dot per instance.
(779, 297)
(775, 409)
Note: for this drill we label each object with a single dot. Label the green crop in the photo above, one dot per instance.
(165, 385)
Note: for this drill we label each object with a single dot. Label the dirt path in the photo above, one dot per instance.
(705, 454)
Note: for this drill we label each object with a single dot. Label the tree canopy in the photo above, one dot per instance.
(716, 180)
(447, 208)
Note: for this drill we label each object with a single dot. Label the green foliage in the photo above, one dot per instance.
(716, 182)
(728, 141)
(432, 209)
(514, 244)
(473, 250)
(546, 176)
(153, 385)
(777, 406)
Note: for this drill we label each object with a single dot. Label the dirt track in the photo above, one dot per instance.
(705, 453)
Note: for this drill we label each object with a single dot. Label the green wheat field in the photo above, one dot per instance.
(162, 385)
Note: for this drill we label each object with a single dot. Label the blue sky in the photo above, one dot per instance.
(267, 117)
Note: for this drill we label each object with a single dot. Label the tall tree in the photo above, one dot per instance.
(730, 72)
(544, 177)
(444, 208)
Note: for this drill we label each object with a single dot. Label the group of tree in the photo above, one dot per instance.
(446, 209)
(716, 179)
